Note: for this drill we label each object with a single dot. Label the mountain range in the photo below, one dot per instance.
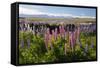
(43, 16)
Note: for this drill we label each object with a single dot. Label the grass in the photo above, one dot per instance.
(37, 53)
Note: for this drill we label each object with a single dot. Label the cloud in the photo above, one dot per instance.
(23, 10)
(84, 17)
(28, 11)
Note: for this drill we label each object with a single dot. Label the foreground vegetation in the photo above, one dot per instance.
(34, 51)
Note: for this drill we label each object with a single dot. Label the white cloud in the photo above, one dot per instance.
(83, 17)
(28, 11)
(62, 14)
(23, 10)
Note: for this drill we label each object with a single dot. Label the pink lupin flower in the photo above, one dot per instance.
(46, 39)
(65, 48)
(75, 36)
(63, 31)
(60, 30)
(80, 43)
(50, 42)
(53, 32)
(78, 32)
(71, 39)
(47, 34)
(55, 35)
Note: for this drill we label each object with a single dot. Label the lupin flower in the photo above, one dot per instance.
(78, 32)
(22, 28)
(75, 36)
(50, 42)
(46, 42)
(94, 27)
(28, 27)
(60, 30)
(63, 31)
(55, 35)
(71, 39)
(33, 30)
(87, 31)
(25, 27)
(65, 48)
(28, 43)
(22, 43)
(46, 38)
(80, 43)
(48, 31)
(86, 48)
(65, 35)
(53, 32)
(20, 25)
(47, 34)
(92, 44)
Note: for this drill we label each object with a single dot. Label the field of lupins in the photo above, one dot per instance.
(59, 44)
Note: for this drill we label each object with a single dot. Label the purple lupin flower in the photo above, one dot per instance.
(28, 27)
(86, 48)
(80, 43)
(92, 44)
(22, 43)
(28, 43)
(20, 25)
(33, 30)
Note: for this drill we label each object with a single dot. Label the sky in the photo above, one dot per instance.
(57, 11)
